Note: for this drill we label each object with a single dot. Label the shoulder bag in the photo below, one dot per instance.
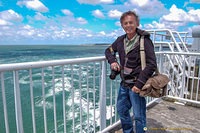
(156, 86)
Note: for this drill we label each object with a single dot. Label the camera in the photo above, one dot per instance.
(113, 74)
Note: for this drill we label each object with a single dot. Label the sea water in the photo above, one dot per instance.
(29, 53)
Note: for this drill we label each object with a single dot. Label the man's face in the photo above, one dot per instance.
(129, 24)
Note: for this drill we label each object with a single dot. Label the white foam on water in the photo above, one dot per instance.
(84, 73)
(84, 85)
(69, 113)
(48, 105)
(59, 86)
(84, 109)
(58, 89)
(25, 79)
(109, 114)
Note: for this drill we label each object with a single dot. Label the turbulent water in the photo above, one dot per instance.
(26, 53)
(88, 88)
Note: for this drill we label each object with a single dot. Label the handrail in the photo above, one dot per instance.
(54, 64)
(178, 69)
(178, 53)
(39, 64)
(170, 35)
(102, 77)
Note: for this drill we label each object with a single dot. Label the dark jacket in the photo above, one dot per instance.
(133, 57)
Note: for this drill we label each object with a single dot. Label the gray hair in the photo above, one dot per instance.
(130, 13)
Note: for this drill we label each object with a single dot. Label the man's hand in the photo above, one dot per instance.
(115, 66)
(135, 89)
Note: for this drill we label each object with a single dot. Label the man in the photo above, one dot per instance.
(133, 77)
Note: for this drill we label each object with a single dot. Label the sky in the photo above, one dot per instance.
(56, 22)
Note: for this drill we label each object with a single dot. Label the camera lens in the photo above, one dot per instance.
(113, 74)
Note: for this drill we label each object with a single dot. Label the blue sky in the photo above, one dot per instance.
(88, 21)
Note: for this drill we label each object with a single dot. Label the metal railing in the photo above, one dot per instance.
(173, 41)
(70, 77)
(184, 84)
(76, 95)
(88, 96)
(80, 92)
(177, 42)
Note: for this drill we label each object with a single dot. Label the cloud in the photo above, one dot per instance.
(54, 32)
(40, 17)
(179, 15)
(194, 1)
(27, 27)
(176, 14)
(89, 35)
(107, 1)
(140, 26)
(97, 13)
(67, 12)
(118, 23)
(4, 22)
(26, 33)
(155, 25)
(37, 17)
(68, 20)
(34, 5)
(196, 27)
(102, 33)
(194, 15)
(146, 4)
(185, 4)
(10, 15)
(115, 33)
(81, 21)
(145, 8)
(114, 14)
(139, 3)
(175, 19)
(95, 2)
(191, 1)
(164, 25)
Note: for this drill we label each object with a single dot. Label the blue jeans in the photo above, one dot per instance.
(127, 99)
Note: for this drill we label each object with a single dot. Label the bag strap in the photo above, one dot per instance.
(142, 55)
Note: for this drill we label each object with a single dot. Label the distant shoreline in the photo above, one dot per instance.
(99, 44)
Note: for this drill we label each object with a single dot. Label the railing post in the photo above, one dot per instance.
(18, 110)
(103, 96)
(154, 37)
(183, 79)
(161, 63)
(4, 103)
